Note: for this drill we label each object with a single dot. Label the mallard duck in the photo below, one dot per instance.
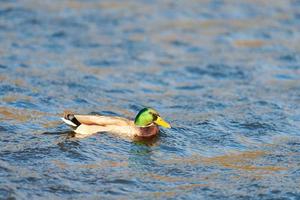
(144, 126)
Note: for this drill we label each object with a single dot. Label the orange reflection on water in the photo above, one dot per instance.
(249, 43)
(20, 115)
(242, 161)
(99, 165)
(15, 97)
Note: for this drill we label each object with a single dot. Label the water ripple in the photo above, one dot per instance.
(224, 74)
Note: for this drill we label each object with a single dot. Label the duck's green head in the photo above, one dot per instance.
(147, 116)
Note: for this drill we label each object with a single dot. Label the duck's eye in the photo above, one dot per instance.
(155, 116)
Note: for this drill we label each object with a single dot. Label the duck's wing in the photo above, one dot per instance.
(101, 120)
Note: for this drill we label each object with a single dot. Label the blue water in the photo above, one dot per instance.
(225, 74)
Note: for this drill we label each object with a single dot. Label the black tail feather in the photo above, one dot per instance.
(72, 118)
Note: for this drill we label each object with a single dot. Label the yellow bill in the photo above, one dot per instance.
(159, 121)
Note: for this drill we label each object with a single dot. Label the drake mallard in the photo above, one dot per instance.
(144, 126)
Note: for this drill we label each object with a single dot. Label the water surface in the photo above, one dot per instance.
(225, 74)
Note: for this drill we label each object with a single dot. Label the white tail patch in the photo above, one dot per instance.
(69, 122)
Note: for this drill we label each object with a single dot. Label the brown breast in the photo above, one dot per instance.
(148, 132)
